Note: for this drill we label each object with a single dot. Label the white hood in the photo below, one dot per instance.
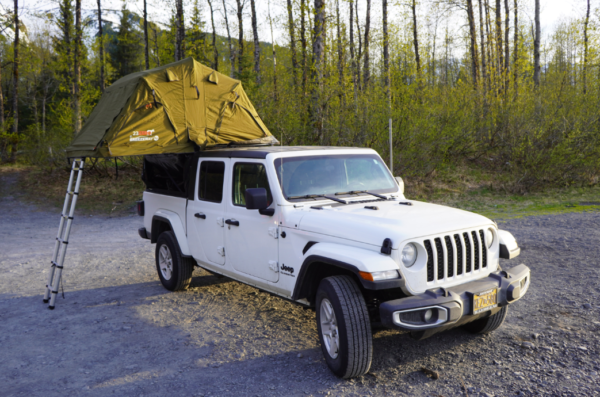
(392, 220)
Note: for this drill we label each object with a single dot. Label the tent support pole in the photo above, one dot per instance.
(64, 230)
(391, 148)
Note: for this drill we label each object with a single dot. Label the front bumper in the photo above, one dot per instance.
(454, 306)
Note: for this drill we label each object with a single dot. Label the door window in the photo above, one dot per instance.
(210, 183)
(249, 175)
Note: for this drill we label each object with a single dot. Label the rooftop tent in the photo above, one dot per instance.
(170, 109)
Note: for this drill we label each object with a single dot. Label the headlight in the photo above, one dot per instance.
(377, 276)
(489, 237)
(409, 254)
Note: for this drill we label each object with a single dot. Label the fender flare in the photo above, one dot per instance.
(176, 226)
(349, 259)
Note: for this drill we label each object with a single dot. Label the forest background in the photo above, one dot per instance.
(468, 86)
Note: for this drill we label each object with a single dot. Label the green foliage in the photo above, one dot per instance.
(128, 56)
(443, 124)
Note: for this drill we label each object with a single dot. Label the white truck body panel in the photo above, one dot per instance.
(256, 253)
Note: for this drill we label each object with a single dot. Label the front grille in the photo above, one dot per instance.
(429, 260)
(464, 253)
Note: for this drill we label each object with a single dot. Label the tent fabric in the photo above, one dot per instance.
(174, 108)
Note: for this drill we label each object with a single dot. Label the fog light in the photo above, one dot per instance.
(427, 315)
(421, 318)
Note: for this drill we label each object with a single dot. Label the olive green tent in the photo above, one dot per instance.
(170, 109)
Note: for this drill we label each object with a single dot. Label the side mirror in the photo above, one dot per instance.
(256, 199)
(400, 184)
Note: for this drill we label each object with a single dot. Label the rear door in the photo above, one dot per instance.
(205, 214)
(251, 238)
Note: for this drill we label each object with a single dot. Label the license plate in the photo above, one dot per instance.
(486, 300)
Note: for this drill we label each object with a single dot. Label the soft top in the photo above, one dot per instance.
(174, 108)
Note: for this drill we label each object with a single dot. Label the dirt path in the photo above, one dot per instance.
(119, 332)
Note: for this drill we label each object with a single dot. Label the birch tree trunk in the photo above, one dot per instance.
(77, 68)
(318, 49)
(15, 104)
(15, 98)
(240, 10)
(536, 46)
(146, 49)
(101, 47)
(1, 107)
(256, 43)
(303, 42)
(415, 38)
(340, 51)
(231, 52)
(473, 43)
(506, 41)
(499, 46)
(352, 57)
(516, 50)
(275, 95)
(180, 32)
(215, 63)
(585, 47)
(367, 68)
(292, 34)
(359, 53)
(482, 40)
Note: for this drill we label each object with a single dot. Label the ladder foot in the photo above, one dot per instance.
(46, 300)
(51, 307)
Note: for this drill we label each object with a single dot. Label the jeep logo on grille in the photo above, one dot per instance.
(288, 269)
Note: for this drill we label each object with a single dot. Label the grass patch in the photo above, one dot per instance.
(491, 196)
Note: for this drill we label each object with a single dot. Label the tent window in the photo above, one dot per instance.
(171, 76)
(210, 183)
(249, 175)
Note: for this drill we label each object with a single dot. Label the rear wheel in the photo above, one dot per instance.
(344, 327)
(487, 324)
(174, 270)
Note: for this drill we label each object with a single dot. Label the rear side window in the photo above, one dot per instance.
(249, 175)
(210, 182)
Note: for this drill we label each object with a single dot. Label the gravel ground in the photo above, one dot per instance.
(119, 332)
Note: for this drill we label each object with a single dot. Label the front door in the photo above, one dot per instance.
(205, 214)
(251, 238)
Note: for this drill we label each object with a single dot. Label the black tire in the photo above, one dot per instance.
(355, 342)
(181, 267)
(487, 324)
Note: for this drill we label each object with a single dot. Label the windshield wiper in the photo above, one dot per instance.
(362, 191)
(309, 196)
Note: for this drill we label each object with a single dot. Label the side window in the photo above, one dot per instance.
(210, 182)
(249, 175)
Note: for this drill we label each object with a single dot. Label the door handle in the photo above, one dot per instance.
(200, 215)
(232, 222)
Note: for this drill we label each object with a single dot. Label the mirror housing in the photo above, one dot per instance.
(400, 183)
(256, 199)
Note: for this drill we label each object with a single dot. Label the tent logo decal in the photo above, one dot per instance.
(139, 136)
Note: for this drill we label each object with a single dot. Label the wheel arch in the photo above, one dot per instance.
(163, 221)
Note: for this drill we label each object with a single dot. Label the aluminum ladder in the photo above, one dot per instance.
(64, 230)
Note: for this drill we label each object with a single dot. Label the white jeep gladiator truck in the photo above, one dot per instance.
(329, 228)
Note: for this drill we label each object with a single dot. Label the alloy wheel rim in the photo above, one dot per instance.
(329, 329)
(165, 262)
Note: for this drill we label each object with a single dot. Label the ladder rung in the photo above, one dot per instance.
(72, 193)
(67, 217)
(62, 241)
(54, 264)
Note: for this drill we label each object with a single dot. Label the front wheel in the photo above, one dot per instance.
(344, 327)
(174, 270)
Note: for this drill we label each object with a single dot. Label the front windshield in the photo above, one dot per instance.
(331, 174)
